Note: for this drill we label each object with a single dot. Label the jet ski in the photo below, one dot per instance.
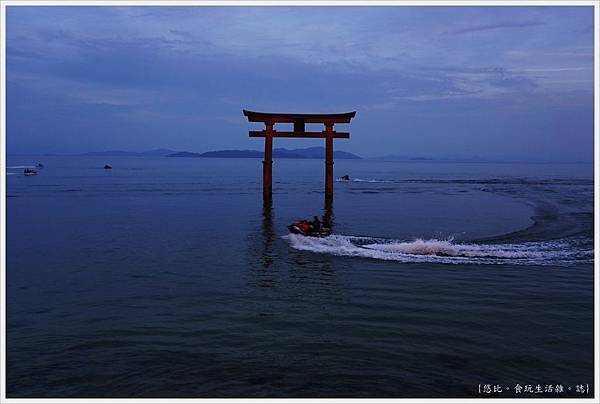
(305, 228)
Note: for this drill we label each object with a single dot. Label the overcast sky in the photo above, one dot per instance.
(495, 82)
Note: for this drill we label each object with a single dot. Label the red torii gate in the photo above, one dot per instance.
(299, 121)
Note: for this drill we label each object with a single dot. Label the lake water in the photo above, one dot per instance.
(168, 277)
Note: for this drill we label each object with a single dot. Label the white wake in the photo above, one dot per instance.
(363, 180)
(558, 252)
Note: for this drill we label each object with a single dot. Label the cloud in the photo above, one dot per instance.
(459, 83)
(559, 69)
(145, 70)
(502, 25)
(183, 34)
(78, 92)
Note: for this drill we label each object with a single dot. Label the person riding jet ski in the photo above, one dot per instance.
(316, 223)
(310, 228)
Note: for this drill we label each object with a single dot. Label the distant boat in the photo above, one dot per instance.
(107, 167)
(39, 165)
(29, 172)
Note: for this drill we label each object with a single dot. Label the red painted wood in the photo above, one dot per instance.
(297, 118)
(329, 159)
(299, 121)
(268, 162)
(299, 135)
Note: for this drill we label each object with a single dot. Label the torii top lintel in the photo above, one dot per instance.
(299, 121)
(293, 118)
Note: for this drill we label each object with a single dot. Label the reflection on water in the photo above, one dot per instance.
(285, 273)
(261, 254)
(328, 212)
(170, 278)
(262, 250)
(268, 234)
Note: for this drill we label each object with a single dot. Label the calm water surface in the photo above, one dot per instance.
(168, 277)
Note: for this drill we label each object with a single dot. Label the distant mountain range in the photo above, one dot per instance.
(279, 153)
(149, 153)
(307, 153)
(398, 157)
(390, 157)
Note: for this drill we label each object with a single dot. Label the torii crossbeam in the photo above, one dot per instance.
(299, 121)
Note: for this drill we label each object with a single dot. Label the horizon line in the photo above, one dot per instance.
(391, 157)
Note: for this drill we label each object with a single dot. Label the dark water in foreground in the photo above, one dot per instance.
(169, 278)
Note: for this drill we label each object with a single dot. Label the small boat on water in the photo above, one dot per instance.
(29, 172)
(344, 178)
(39, 165)
(107, 167)
(307, 228)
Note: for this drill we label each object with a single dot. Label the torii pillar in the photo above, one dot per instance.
(268, 160)
(328, 158)
(299, 121)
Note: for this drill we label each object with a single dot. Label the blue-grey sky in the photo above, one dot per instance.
(495, 82)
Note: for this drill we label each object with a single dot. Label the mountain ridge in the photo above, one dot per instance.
(306, 153)
(153, 152)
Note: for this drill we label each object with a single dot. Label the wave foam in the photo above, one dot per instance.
(444, 251)
(363, 180)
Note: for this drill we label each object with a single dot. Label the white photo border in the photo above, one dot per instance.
(249, 3)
